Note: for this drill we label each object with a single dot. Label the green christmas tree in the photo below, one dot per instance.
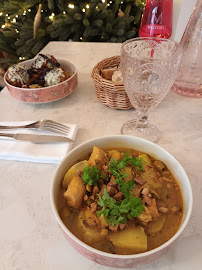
(28, 25)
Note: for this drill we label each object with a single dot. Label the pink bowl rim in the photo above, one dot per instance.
(41, 88)
(118, 256)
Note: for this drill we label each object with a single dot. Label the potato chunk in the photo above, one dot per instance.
(90, 235)
(130, 240)
(75, 192)
(115, 154)
(156, 225)
(149, 174)
(73, 172)
(98, 158)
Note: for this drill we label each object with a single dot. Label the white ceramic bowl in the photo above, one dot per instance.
(113, 260)
(45, 94)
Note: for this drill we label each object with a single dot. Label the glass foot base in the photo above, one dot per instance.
(194, 92)
(150, 132)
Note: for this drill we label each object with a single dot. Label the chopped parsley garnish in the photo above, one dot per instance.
(90, 175)
(117, 169)
(119, 212)
(128, 160)
(116, 212)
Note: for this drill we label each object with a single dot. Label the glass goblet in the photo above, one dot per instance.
(149, 67)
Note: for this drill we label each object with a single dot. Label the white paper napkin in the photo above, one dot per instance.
(33, 152)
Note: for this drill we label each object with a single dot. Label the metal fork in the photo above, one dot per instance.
(43, 125)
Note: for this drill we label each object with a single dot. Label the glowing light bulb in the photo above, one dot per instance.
(83, 10)
(71, 6)
(64, 12)
(1, 13)
(52, 16)
(87, 6)
(14, 20)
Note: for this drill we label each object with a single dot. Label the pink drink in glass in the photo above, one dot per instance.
(157, 19)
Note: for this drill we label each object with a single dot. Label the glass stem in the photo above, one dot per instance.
(142, 119)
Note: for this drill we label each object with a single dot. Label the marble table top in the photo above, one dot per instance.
(29, 235)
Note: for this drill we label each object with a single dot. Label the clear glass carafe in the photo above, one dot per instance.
(189, 77)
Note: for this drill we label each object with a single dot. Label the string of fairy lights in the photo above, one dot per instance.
(13, 19)
(51, 17)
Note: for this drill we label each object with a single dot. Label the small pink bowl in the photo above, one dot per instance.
(46, 94)
(114, 260)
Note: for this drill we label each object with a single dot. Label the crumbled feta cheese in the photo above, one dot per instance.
(18, 73)
(53, 76)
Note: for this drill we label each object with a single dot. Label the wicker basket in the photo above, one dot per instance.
(110, 93)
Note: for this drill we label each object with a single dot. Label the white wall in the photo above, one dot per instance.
(182, 10)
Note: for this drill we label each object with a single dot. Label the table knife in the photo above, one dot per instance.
(36, 138)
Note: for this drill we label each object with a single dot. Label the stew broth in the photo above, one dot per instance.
(160, 195)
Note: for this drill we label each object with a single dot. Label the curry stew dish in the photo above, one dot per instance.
(120, 201)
